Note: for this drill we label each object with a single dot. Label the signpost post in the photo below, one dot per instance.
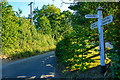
(99, 24)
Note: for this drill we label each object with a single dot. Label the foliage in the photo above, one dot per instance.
(44, 25)
(48, 11)
(19, 37)
(55, 22)
(115, 57)
(82, 31)
(111, 31)
(72, 48)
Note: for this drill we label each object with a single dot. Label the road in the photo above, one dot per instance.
(40, 66)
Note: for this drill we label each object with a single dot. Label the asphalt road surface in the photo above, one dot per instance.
(40, 66)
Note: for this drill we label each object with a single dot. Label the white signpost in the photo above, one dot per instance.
(107, 20)
(94, 25)
(99, 24)
(91, 16)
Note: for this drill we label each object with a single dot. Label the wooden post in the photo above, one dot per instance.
(31, 13)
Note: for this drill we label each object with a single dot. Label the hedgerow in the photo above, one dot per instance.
(19, 37)
(69, 48)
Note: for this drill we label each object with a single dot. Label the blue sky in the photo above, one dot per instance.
(23, 5)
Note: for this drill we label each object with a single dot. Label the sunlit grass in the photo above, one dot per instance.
(96, 59)
(92, 52)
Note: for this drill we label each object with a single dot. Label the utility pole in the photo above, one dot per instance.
(31, 13)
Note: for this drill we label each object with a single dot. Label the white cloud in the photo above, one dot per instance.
(65, 6)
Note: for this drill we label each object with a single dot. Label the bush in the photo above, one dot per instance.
(19, 37)
(70, 51)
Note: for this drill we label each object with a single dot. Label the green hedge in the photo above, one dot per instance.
(19, 36)
(71, 51)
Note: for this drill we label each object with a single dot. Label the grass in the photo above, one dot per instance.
(92, 64)
(97, 58)
(26, 54)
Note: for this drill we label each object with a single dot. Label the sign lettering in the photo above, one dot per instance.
(107, 20)
(91, 16)
(94, 25)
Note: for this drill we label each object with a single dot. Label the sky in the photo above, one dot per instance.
(23, 5)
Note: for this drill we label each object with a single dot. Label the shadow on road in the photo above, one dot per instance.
(40, 67)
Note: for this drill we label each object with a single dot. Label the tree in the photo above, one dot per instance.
(111, 31)
(49, 11)
(44, 25)
(65, 22)
(19, 36)
(76, 44)
(59, 21)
